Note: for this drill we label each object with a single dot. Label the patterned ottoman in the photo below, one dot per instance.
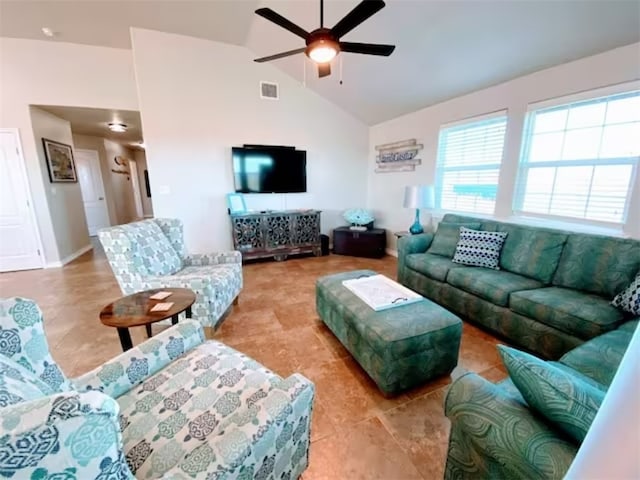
(399, 348)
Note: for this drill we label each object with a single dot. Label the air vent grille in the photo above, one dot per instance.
(269, 91)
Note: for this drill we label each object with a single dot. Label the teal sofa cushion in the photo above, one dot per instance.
(17, 384)
(447, 236)
(599, 358)
(433, 266)
(568, 402)
(492, 285)
(157, 255)
(597, 264)
(576, 313)
(531, 252)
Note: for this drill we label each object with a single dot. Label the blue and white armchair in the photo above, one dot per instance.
(175, 407)
(151, 254)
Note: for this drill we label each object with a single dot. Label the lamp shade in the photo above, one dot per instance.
(419, 196)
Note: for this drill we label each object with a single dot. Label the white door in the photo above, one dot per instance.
(90, 177)
(18, 234)
(135, 185)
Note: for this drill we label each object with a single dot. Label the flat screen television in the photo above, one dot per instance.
(266, 169)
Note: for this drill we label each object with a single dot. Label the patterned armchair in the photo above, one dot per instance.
(151, 254)
(174, 407)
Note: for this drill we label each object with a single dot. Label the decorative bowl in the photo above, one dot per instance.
(358, 216)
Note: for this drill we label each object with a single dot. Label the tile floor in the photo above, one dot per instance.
(356, 433)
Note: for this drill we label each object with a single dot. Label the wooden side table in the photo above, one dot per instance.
(401, 234)
(135, 311)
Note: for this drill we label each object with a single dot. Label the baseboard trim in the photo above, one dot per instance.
(393, 253)
(70, 258)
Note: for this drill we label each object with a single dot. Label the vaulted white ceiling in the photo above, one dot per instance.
(445, 48)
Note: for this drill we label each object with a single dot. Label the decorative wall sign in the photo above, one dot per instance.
(122, 162)
(60, 163)
(398, 156)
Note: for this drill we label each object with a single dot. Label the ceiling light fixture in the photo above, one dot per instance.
(117, 127)
(323, 50)
(47, 32)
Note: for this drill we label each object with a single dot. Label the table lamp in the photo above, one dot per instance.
(418, 196)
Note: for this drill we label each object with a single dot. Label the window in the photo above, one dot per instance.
(579, 159)
(468, 165)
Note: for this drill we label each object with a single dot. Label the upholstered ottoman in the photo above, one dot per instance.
(399, 348)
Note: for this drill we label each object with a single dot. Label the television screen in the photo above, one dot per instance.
(269, 170)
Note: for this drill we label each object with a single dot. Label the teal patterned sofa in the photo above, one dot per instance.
(551, 294)
(173, 407)
(494, 433)
(151, 254)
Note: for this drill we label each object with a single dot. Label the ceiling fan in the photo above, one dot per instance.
(323, 44)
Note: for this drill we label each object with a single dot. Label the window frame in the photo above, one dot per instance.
(525, 166)
(440, 169)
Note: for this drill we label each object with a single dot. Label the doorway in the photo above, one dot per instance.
(19, 239)
(92, 187)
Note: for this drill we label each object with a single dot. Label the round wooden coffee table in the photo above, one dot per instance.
(135, 311)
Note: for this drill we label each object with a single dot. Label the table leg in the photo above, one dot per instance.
(174, 320)
(125, 338)
(188, 313)
(148, 329)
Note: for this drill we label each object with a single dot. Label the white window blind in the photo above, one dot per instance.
(579, 159)
(468, 164)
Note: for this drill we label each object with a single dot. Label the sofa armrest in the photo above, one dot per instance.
(220, 258)
(414, 243)
(120, 374)
(502, 431)
(67, 434)
(281, 430)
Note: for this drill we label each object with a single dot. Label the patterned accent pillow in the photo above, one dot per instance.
(629, 299)
(567, 401)
(479, 249)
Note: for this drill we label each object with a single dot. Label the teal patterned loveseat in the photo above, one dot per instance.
(551, 294)
(175, 407)
(151, 254)
(495, 434)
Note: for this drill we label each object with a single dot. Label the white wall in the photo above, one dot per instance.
(386, 189)
(141, 160)
(64, 199)
(54, 73)
(199, 98)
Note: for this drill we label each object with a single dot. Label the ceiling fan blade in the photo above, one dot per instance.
(279, 55)
(324, 70)
(282, 22)
(355, 17)
(367, 48)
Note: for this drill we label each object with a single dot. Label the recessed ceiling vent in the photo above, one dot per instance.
(269, 91)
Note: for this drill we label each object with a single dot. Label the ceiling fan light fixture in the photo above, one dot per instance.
(323, 51)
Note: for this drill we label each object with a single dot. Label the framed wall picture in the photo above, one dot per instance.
(236, 204)
(60, 163)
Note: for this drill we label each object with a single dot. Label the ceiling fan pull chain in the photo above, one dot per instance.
(304, 72)
(340, 69)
